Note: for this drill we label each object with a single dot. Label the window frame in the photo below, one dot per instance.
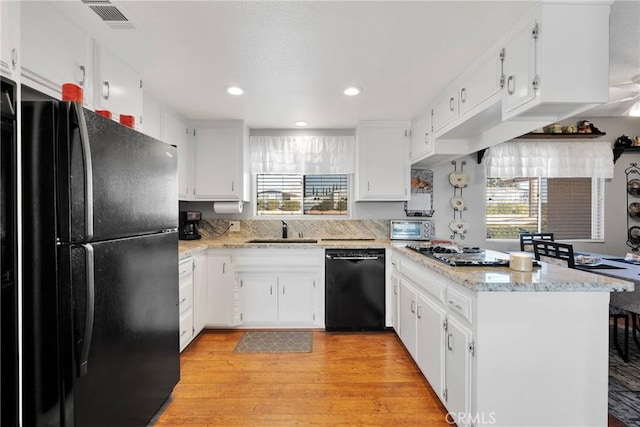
(254, 202)
(598, 207)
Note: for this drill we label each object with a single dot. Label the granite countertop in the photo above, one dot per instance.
(547, 278)
(189, 247)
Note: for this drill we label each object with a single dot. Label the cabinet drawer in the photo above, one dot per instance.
(428, 282)
(185, 267)
(459, 303)
(185, 296)
(186, 328)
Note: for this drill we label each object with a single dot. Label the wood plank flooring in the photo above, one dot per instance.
(348, 379)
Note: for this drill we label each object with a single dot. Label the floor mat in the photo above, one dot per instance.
(275, 342)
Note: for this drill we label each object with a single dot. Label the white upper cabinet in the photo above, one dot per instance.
(445, 109)
(382, 161)
(221, 153)
(10, 39)
(54, 51)
(118, 86)
(421, 141)
(481, 81)
(553, 63)
(174, 131)
(520, 66)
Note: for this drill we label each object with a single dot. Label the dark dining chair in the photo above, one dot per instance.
(554, 253)
(527, 238)
(562, 254)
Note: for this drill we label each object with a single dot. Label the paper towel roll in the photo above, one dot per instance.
(521, 261)
(227, 207)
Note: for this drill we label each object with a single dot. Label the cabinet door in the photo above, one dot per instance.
(220, 291)
(175, 132)
(421, 142)
(199, 293)
(520, 68)
(408, 305)
(395, 296)
(118, 86)
(10, 38)
(445, 110)
(296, 299)
(430, 342)
(482, 82)
(218, 163)
(54, 50)
(258, 298)
(382, 167)
(458, 367)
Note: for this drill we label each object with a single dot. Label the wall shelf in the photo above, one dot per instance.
(617, 151)
(532, 135)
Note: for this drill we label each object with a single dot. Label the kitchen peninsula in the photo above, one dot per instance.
(497, 346)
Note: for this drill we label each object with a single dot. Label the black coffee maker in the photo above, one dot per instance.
(189, 225)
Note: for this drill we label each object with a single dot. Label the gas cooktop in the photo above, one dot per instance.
(460, 256)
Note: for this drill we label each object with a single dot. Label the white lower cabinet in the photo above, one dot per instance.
(435, 329)
(430, 331)
(408, 302)
(268, 288)
(185, 300)
(277, 299)
(258, 298)
(221, 292)
(199, 292)
(395, 294)
(459, 350)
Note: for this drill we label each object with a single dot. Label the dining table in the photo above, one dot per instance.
(621, 268)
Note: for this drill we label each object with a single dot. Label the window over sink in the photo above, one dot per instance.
(302, 195)
(571, 208)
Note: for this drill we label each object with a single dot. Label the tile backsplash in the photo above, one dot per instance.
(339, 228)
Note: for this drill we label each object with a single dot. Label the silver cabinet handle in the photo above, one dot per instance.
(511, 84)
(84, 76)
(271, 290)
(14, 58)
(233, 186)
(283, 287)
(419, 312)
(182, 300)
(183, 332)
(224, 264)
(105, 90)
(458, 306)
(426, 137)
(368, 186)
(451, 106)
(463, 94)
(449, 346)
(413, 306)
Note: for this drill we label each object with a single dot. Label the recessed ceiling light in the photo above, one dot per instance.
(352, 91)
(235, 90)
(301, 123)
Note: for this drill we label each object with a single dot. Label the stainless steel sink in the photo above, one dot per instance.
(282, 241)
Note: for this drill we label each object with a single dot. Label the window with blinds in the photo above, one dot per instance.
(571, 208)
(297, 194)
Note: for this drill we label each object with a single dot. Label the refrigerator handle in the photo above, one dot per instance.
(88, 168)
(89, 312)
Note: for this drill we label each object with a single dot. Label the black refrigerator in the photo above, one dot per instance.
(100, 343)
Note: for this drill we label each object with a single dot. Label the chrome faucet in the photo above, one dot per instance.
(284, 229)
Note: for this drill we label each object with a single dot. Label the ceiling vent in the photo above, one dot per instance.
(110, 14)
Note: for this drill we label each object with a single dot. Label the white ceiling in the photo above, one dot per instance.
(294, 58)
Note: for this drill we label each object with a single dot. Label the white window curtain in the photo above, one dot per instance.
(550, 159)
(302, 154)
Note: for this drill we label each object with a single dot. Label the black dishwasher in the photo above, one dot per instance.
(354, 290)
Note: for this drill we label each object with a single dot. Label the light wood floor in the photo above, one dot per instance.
(348, 379)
